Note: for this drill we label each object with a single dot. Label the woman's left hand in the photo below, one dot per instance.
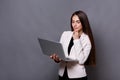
(55, 58)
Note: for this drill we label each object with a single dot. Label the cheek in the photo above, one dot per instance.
(73, 25)
(80, 25)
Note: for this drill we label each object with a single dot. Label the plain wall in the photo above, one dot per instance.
(23, 21)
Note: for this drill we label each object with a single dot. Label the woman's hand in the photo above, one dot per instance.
(55, 58)
(77, 34)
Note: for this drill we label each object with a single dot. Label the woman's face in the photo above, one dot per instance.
(76, 24)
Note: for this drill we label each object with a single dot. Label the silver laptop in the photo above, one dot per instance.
(51, 47)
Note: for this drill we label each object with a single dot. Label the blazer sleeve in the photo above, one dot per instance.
(82, 49)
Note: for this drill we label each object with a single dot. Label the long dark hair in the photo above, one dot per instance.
(87, 30)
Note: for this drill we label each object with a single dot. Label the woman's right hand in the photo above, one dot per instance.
(55, 58)
(77, 34)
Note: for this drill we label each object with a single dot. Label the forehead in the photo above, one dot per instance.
(75, 17)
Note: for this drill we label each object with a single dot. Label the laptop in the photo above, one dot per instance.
(50, 47)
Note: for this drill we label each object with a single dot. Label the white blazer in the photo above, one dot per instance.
(79, 51)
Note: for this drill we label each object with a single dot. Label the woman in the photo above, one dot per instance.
(78, 45)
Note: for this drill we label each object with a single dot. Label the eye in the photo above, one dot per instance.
(78, 21)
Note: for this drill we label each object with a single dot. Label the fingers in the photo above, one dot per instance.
(77, 34)
(55, 58)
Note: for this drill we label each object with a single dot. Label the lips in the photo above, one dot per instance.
(75, 28)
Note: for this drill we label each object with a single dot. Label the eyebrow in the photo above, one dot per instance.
(76, 20)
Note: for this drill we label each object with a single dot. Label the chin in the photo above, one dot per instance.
(76, 30)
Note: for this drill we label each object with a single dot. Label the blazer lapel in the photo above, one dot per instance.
(68, 41)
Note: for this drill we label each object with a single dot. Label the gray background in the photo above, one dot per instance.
(23, 21)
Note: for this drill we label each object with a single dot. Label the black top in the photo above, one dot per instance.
(70, 45)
